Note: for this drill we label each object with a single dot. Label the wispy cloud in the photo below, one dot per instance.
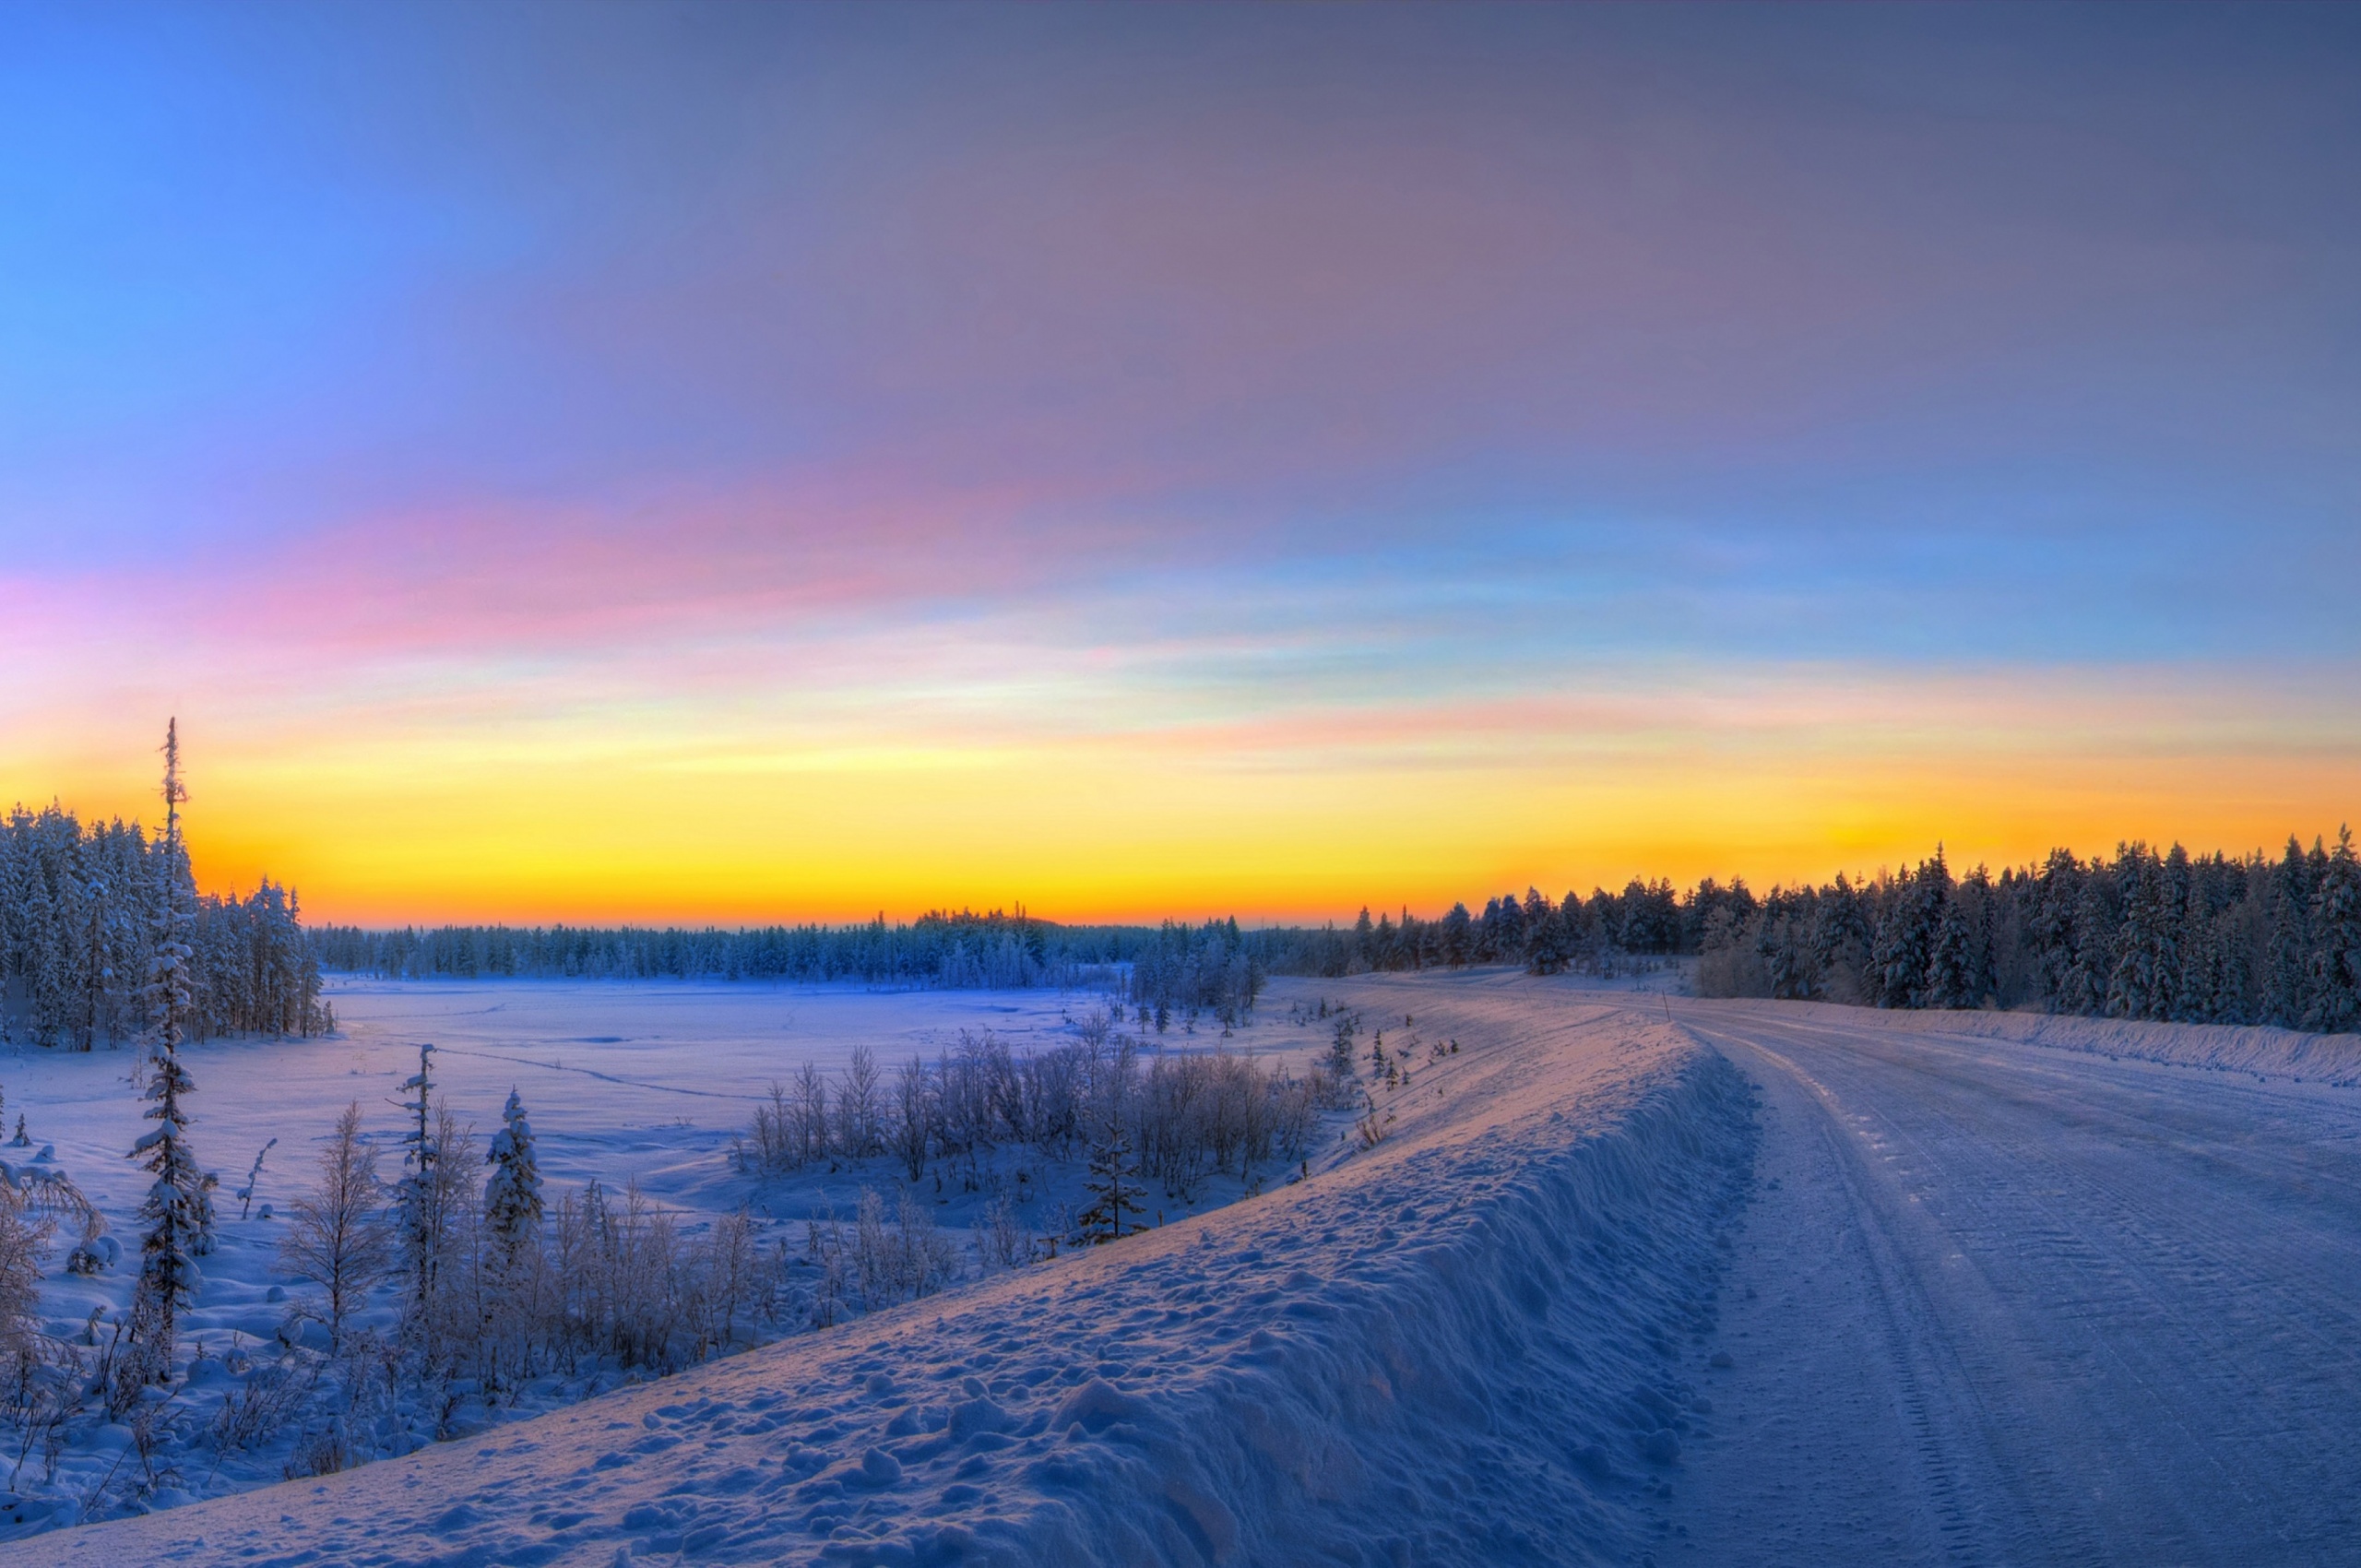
(794, 460)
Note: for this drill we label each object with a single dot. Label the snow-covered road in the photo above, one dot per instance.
(2002, 1303)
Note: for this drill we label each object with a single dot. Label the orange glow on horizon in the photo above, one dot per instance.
(1279, 823)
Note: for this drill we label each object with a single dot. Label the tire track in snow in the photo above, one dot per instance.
(2150, 1270)
(1957, 1444)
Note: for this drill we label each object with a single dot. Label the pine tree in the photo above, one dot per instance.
(177, 1209)
(1340, 1051)
(1841, 942)
(1548, 945)
(511, 1198)
(1458, 935)
(1113, 1192)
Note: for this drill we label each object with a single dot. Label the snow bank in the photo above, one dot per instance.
(1466, 1345)
(2257, 1048)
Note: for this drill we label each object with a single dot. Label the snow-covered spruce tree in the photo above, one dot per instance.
(2140, 985)
(2287, 964)
(1339, 1060)
(178, 1210)
(1113, 1189)
(2096, 918)
(418, 1216)
(1547, 949)
(1907, 936)
(1951, 961)
(336, 1237)
(2335, 1003)
(511, 1198)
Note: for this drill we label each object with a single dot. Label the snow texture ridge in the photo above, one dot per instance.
(1465, 1345)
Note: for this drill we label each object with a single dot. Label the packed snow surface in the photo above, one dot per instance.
(1628, 1279)
(2000, 1302)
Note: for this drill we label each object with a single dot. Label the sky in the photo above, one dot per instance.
(749, 463)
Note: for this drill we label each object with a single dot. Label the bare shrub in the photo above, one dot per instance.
(336, 1235)
(262, 1403)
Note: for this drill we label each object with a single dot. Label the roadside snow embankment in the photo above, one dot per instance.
(1467, 1345)
(2228, 1048)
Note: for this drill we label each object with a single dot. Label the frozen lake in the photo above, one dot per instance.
(646, 1080)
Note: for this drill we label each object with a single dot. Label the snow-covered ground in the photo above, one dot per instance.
(1629, 1279)
(1479, 1340)
(625, 1082)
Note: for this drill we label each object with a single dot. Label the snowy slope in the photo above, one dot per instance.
(1477, 1342)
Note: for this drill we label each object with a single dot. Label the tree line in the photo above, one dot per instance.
(1600, 934)
(2143, 934)
(961, 950)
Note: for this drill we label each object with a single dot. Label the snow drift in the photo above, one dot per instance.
(1467, 1344)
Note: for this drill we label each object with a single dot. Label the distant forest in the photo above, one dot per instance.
(996, 950)
(79, 925)
(2141, 935)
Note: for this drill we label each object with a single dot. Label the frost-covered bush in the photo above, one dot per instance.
(901, 1263)
(24, 1239)
(1188, 1116)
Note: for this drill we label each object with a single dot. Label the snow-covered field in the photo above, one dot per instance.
(1928, 1288)
(647, 1083)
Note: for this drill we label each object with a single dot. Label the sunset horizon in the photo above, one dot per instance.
(761, 472)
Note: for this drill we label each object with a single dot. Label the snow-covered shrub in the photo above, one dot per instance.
(1187, 1116)
(859, 1120)
(911, 1260)
(1001, 1236)
(260, 1406)
(24, 1239)
(774, 1145)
